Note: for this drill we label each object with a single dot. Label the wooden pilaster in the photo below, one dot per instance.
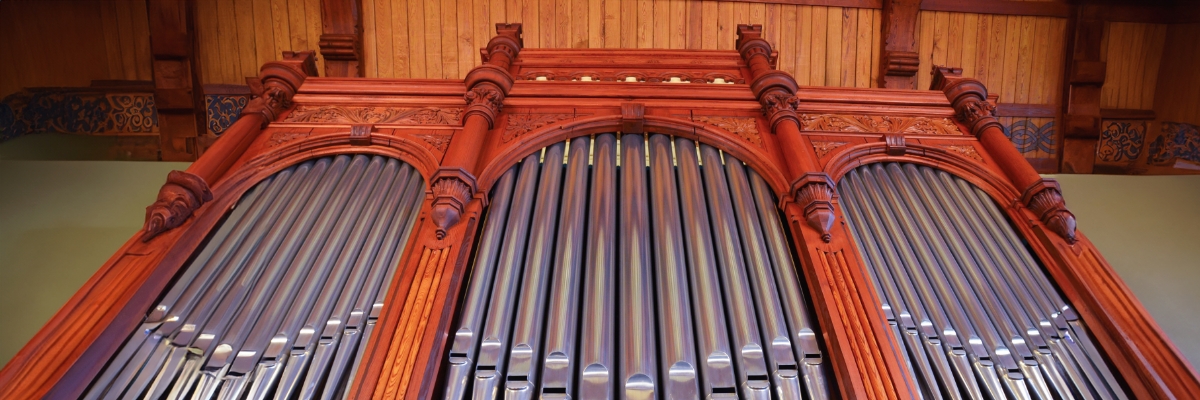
(1085, 76)
(341, 37)
(178, 94)
(899, 61)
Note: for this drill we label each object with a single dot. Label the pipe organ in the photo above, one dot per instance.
(602, 224)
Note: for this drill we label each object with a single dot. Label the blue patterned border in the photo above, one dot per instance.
(1121, 141)
(1029, 137)
(1177, 141)
(86, 111)
(223, 111)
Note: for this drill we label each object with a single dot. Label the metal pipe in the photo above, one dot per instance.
(598, 322)
(561, 325)
(526, 340)
(712, 340)
(637, 337)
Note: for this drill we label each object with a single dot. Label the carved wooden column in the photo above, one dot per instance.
(1040, 195)
(341, 37)
(454, 183)
(1085, 75)
(186, 191)
(898, 66)
(178, 94)
(865, 357)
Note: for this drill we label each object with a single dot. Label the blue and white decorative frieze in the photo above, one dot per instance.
(89, 111)
(1121, 141)
(1178, 141)
(1031, 138)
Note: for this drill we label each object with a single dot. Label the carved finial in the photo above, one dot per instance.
(177, 199)
(452, 188)
(815, 191)
(1044, 198)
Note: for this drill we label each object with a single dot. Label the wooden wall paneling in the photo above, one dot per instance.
(924, 28)
(788, 40)
(970, 42)
(817, 66)
(1177, 98)
(876, 46)
(401, 39)
(833, 46)
(610, 22)
(264, 41)
(849, 46)
(417, 67)
(433, 37)
(112, 38)
(450, 37)
(711, 27)
(385, 26)
(630, 22)
(863, 35)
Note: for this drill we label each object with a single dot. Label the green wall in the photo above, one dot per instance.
(61, 220)
(1148, 228)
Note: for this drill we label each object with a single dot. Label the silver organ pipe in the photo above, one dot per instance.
(638, 266)
(976, 313)
(275, 303)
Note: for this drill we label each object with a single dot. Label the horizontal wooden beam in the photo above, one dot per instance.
(1123, 113)
(1003, 7)
(1027, 110)
(827, 3)
(1183, 13)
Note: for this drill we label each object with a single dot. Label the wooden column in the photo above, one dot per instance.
(968, 96)
(454, 184)
(1085, 76)
(178, 94)
(406, 349)
(864, 355)
(186, 191)
(898, 65)
(341, 37)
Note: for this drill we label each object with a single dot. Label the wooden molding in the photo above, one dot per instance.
(1123, 113)
(1027, 110)
(1001, 7)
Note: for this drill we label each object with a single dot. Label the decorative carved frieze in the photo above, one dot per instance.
(177, 199)
(666, 76)
(281, 137)
(520, 124)
(878, 124)
(745, 127)
(823, 148)
(374, 115)
(1045, 200)
(439, 142)
(967, 151)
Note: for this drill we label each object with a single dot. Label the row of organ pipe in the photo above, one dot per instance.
(279, 301)
(635, 267)
(977, 315)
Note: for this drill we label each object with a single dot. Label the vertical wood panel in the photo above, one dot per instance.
(612, 24)
(925, 48)
(645, 25)
(820, 19)
(804, 46)
(450, 38)
(833, 46)
(726, 26)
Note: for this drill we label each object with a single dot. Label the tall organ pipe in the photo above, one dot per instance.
(280, 272)
(975, 279)
(653, 292)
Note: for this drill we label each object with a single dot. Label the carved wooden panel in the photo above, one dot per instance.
(745, 127)
(878, 124)
(334, 114)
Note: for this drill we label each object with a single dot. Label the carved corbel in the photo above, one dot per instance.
(452, 189)
(360, 135)
(1044, 198)
(177, 199)
(893, 143)
(633, 117)
(277, 83)
(814, 192)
